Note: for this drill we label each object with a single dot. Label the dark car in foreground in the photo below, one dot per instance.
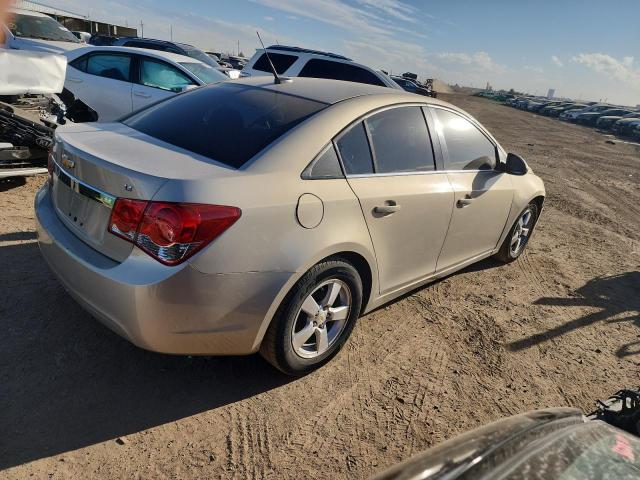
(554, 444)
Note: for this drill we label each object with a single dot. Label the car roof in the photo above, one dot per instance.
(173, 57)
(30, 13)
(307, 50)
(330, 91)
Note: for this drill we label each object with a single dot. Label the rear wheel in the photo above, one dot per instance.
(315, 319)
(518, 237)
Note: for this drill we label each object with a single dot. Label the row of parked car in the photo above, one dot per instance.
(620, 120)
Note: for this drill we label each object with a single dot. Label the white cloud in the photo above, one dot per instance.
(556, 61)
(623, 70)
(533, 69)
(393, 8)
(269, 19)
(477, 61)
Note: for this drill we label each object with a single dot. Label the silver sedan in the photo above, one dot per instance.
(252, 216)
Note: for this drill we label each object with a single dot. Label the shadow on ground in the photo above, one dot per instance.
(67, 382)
(616, 298)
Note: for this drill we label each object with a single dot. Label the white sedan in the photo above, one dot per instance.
(115, 81)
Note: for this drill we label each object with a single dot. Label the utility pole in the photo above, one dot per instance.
(172, 33)
(238, 47)
(142, 29)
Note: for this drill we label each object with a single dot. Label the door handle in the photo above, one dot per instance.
(74, 80)
(387, 209)
(142, 95)
(463, 202)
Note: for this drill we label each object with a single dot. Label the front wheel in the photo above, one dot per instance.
(315, 319)
(519, 235)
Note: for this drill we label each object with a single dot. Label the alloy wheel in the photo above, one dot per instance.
(321, 319)
(521, 232)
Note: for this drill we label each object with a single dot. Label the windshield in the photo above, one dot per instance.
(227, 122)
(205, 73)
(42, 28)
(193, 52)
(594, 450)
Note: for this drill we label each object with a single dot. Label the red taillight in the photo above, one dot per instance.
(170, 232)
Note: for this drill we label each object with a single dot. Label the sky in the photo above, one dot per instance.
(587, 49)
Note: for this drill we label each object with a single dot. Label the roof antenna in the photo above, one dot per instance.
(276, 78)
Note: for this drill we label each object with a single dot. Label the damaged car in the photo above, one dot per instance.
(115, 81)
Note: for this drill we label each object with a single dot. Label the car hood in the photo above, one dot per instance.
(609, 118)
(590, 114)
(46, 46)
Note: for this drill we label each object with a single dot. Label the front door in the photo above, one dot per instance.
(406, 203)
(157, 80)
(483, 195)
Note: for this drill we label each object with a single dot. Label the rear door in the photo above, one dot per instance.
(483, 195)
(157, 80)
(103, 82)
(389, 162)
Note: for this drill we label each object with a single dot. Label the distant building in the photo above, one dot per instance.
(77, 22)
(551, 93)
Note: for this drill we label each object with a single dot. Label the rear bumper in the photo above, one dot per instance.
(176, 310)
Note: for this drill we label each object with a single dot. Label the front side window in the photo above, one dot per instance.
(354, 151)
(204, 72)
(281, 62)
(162, 75)
(318, 68)
(468, 148)
(116, 67)
(400, 141)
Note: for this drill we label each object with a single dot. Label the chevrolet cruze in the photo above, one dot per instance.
(261, 216)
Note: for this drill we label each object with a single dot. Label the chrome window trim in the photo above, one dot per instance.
(431, 172)
(82, 188)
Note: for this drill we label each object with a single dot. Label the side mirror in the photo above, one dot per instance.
(515, 165)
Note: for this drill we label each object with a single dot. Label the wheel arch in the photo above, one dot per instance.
(363, 262)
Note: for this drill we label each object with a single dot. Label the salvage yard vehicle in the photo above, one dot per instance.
(301, 62)
(30, 30)
(552, 444)
(591, 118)
(268, 216)
(114, 81)
(410, 86)
(625, 126)
(606, 122)
(557, 111)
(573, 114)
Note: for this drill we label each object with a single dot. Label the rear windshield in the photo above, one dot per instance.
(227, 122)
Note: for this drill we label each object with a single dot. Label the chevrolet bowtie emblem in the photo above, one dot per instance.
(67, 162)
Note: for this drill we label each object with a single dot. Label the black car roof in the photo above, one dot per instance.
(306, 50)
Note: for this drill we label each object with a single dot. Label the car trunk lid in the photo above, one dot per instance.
(95, 165)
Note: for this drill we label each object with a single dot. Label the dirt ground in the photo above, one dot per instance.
(559, 327)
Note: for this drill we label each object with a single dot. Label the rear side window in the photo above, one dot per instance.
(354, 151)
(318, 68)
(400, 141)
(468, 148)
(325, 166)
(116, 67)
(226, 122)
(281, 62)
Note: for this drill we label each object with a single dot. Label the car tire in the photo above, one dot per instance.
(519, 235)
(283, 345)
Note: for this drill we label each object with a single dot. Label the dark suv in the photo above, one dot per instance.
(152, 44)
